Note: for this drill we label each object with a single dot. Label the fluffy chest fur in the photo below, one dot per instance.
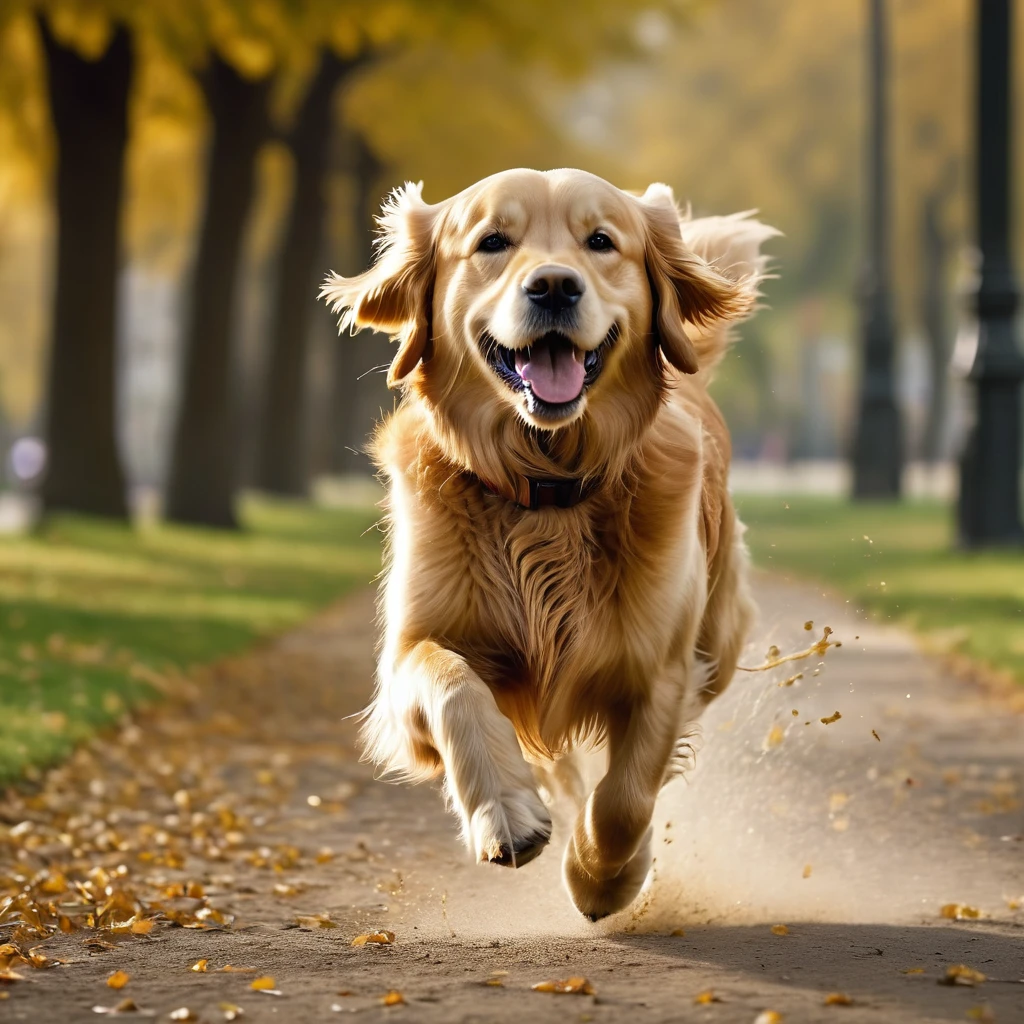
(554, 606)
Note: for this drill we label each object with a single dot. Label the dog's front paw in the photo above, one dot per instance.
(510, 831)
(594, 897)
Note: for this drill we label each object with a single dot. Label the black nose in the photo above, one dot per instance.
(554, 288)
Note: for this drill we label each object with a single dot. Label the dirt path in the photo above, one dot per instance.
(244, 814)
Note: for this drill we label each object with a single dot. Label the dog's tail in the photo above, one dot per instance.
(732, 245)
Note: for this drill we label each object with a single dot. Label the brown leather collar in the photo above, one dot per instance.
(532, 493)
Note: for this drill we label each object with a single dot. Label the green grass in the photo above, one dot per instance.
(899, 562)
(92, 612)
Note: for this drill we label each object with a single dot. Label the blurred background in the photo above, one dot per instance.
(257, 139)
(177, 176)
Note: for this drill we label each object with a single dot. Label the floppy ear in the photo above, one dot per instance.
(685, 289)
(394, 295)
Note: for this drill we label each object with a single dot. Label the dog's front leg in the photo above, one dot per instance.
(609, 853)
(490, 785)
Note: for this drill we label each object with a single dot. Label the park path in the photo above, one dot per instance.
(241, 811)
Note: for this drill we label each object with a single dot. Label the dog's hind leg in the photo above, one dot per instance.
(441, 702)
(609, 853)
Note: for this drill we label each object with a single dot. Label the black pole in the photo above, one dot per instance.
(989, 508)
(878, 446)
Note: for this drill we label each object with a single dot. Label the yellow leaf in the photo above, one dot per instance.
(392, 998)
(768, 1017)
(779, 929)
(807, 870)
(961, 974)
(706, 998)
(316, 921)
(838, 999)
(575, 986)
(381, 938)
(959, 912)
(200, 966)
(117, 980)
(263, 984)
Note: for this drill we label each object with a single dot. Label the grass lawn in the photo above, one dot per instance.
(91, 613)
(898, 562)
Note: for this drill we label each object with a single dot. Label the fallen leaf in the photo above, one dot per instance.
(959, 912)
(142, 926)
(316, 921)
(182, 1013)
(392, 998)
(576, 986)
(230, 1011)
(381, 938)
(779, 929)
(262, 984)
(807, 871)
(231, 969)
(200, 966)
(118, 980)
(101, 945)
(831, 718)
(961, 974)
(768, 1017)
(706, 997)
(838, 999)
(125, 1006)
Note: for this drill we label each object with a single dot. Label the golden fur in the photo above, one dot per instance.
(511, 636)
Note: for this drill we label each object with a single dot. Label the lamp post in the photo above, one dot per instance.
(878, 445)
(989, 507)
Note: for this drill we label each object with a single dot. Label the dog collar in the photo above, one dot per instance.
(533, 493)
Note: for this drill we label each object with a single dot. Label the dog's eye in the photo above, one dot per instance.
(496, 242)
(600, 242)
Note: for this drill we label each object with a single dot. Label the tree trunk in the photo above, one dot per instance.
(282, 466)
(935, 318)
(359, 392)
(203, 477)
(89, 106)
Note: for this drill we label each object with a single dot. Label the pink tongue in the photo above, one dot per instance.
(553, 372)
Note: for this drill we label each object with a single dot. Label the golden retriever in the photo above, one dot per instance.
(564, 562)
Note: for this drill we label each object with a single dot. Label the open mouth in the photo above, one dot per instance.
(551, 372)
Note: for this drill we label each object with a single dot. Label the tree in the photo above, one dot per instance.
(281, 458)
(935, 316)
(89, 107)
(202, 484)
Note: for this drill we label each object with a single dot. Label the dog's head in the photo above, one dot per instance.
(546, 294)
